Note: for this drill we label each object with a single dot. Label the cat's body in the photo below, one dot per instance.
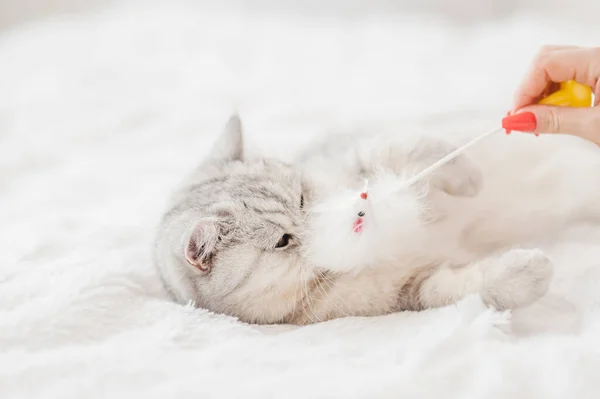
(269, 242)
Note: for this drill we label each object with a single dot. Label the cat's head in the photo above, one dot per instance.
(232, 241)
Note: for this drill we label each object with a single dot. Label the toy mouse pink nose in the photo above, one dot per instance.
(357, 227)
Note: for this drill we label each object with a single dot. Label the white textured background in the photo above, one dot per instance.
(105, 105)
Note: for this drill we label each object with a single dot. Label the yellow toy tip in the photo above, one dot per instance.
(569, 94)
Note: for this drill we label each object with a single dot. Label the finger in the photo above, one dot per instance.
(528, 92)
(553, 47)
(581, 65)
(583, 122)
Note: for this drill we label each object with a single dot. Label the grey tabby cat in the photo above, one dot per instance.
(255, 238)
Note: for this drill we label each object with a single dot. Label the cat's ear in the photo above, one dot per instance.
(200, 247)
(230, 144)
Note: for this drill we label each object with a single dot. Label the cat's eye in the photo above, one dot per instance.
(283, 241)
(301, 201)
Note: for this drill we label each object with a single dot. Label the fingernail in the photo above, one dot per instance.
(508, 131)
(523, 122)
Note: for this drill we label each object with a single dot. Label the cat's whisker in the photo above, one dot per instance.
(353, 292)
(343, 286)
(319, 280)
(305, 297)
(312, 299)
(297, 292)
(331, 282)
(295, 305)
(329, 293)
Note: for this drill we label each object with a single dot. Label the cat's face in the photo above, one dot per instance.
(242, 225)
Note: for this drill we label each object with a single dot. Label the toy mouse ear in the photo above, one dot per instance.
(200, 247)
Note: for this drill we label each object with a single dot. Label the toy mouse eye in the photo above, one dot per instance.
(283, 241)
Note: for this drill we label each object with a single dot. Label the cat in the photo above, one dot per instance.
(271, 242)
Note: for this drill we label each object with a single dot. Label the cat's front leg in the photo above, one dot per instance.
(408, 156)
(514, 279)
(459, 177)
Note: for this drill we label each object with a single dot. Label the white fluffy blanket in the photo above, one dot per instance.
(101, 116)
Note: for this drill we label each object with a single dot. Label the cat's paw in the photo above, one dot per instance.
(459, 177)
(516, 278)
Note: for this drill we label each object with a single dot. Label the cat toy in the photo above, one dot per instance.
(569, 94)
(357, 227)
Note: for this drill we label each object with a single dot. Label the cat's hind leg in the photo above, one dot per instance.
(516, 278)
(513, 279)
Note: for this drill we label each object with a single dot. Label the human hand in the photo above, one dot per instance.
(554, 64)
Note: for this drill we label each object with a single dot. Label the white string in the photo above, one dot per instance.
(441, 162)
(449, 157)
